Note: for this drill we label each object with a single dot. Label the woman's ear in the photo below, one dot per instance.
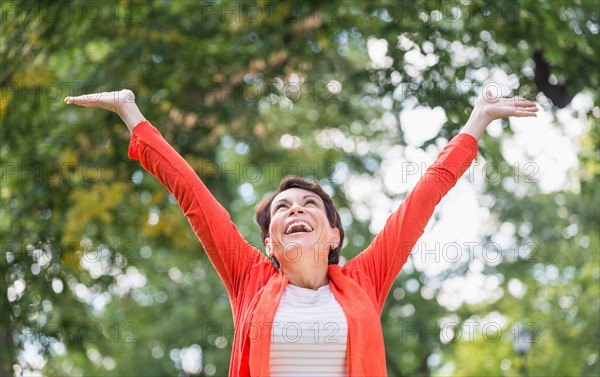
(335, 238)
(268, 246)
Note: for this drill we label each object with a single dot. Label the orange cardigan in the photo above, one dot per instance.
(255, 287)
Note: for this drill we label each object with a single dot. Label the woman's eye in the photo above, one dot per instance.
(311, 202)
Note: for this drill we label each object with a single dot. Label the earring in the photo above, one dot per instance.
(275, 262)
(335, 243)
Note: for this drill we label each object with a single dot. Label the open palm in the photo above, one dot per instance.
(497, 108)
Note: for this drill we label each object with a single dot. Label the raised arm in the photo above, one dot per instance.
(231, 255)
(381, 261)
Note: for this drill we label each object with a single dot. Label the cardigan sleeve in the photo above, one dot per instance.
(382, 260)
(231, 255)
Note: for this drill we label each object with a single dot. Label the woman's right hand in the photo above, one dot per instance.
(121, 102)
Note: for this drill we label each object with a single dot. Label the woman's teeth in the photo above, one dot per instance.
(298, 226)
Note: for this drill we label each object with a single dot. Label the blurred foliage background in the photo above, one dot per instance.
(100, 272)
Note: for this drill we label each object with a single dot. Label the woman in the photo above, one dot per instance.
(298, 312)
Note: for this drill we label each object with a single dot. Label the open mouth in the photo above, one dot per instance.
(298, 227)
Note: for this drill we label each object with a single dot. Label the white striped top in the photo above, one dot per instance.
(310, 334)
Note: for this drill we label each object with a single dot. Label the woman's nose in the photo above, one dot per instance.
(295, 208)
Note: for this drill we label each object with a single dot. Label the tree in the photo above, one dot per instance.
(96, 255)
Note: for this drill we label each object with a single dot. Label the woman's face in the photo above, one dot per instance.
(299, 225)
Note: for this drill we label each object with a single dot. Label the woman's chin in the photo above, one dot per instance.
(294, 247)
(301, 239)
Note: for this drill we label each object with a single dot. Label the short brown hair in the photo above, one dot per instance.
(263, 210)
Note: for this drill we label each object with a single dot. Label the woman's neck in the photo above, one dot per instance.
(312, 276)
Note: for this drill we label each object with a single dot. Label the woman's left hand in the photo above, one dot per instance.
(489, 108)
(497, 108)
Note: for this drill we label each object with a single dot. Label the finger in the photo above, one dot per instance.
(525, 106)
(519, 99)
(522, 114)
(521, 102)
(84, 99)
(72, 100)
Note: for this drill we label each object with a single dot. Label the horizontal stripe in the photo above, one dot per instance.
(297, 373)
(320, 351)
(320, 374)
(302, 366)
(314, 323)
(300, 357)
(307, 341)
(309, 334)
(296, 364)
